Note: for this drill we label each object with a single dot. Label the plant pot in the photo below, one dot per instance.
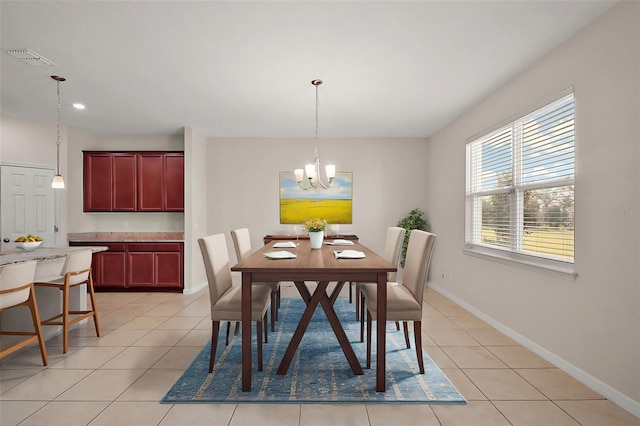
(316, 238)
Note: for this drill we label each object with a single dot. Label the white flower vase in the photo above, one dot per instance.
(316, 239)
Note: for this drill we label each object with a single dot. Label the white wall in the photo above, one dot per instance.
(590, 326)
(389, 178)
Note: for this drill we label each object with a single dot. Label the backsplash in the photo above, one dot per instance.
(126, 236)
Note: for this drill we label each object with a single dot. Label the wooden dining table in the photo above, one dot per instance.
(321, 267)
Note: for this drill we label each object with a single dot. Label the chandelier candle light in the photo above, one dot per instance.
(57, 181)
(313, 170)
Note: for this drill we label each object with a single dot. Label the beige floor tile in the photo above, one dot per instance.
(13, 412)
(464, 384)
(401, 414)
(136, 357)
(534, 413)
(452, 311)
(265, 415)
(441, 359)
(120, 338)
(470, 322)
(197, 338)
(161, 338)
(179, 357)
(557, 384)
(114, 321)
(144, 323)
(180, 323)
(101, 385)
(519, 357)
(66, 413)
(199, 415)
(46, 385)
(491, 337)
(29, 358)
(333, 415)
(131, 414)
(151, 386)
(438, 323)
(598, 413)
(502, 384)
(452, 338)
(164, 311)
(91, 357)
(473, 413)
(55, 343)
(12, 377)
(195, 310)
(135, 309)
(426, 340)
(473, 357)
(205, 324)
(429, 311)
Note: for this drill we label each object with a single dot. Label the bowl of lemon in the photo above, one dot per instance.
(28, 243)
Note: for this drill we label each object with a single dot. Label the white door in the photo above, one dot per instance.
(27, 203)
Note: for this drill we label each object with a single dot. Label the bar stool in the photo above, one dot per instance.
(76, 271)
(16, 289)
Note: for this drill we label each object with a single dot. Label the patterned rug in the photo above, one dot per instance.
(319, 372)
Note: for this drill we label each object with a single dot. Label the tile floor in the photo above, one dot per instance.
(150, 338)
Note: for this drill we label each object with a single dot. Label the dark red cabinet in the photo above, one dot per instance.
(133, 181)
(137, 265)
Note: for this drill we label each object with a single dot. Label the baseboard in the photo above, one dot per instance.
(195, 289)
(597, 385)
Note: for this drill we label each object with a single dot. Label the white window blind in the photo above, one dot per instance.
(520, 187)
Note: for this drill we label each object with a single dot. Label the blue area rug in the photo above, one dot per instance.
(319, 372)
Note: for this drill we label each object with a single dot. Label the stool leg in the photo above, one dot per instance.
(65, 316)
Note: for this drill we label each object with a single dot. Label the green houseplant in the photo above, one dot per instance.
(413, 220)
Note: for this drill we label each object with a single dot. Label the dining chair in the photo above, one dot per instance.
(226, 300)
(242, 244)
(16, 289)
(404, 299)
(392, 249)
(75, 272)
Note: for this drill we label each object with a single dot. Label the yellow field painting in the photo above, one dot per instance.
(298, 210)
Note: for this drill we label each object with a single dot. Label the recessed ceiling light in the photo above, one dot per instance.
(78, 106)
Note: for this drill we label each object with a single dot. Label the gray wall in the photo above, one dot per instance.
(590, 326)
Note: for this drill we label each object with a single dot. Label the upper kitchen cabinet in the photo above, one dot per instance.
(133, 181)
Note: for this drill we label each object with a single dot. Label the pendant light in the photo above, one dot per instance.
(57, 181)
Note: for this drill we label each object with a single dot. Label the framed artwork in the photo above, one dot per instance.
(333, 205)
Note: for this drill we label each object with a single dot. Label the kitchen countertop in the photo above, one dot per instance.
(126, 236)
(9, 253)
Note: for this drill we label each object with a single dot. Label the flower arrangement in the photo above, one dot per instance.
(315, 225)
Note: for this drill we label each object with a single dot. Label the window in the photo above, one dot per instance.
(520, 189)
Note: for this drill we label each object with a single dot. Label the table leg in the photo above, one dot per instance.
(381, 327)
(246, 331)
(302, 325)
(336, 291)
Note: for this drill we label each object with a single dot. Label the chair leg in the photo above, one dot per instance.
(362, 311)
(33, 307)
(266, 326)
(215, 329)
(237, 329)
(351, 297)
(259, 333)
(274, 309)
(358, 303)
(417, 331)
(406, 333)
(228, 327)
(369, 321)
(92, 296)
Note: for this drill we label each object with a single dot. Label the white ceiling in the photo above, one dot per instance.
(243, 69)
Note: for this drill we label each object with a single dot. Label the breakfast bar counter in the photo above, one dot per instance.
(9, 253)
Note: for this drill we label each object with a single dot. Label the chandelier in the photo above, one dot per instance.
(57, 181)
(313, 170)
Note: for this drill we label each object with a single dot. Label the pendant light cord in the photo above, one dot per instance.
(58, 132)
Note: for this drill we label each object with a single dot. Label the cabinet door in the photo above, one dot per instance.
(141, 269)
(124, 182)
(173, 182)
(150, 182)
(168, 270)
(97, 182)
(112, 267)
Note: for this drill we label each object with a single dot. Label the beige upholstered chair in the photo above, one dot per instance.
(16, 289)
(242, 244)
(76, 271)
(392, 249)
(404, 300)
(226, 300)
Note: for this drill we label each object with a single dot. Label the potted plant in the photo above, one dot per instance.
(413, 220)
(316, 228)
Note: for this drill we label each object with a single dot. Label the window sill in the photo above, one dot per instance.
(556, 269)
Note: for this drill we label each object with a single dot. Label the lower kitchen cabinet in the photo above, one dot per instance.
(154, 266)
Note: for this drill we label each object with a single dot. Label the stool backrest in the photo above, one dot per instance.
(13, 277)
(78, 261)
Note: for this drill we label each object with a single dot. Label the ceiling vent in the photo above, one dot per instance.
(30, 57)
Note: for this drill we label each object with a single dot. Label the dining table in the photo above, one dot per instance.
(318, 267)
